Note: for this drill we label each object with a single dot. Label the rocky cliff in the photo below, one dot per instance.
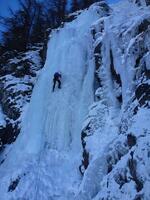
(115, 136)
(18, 74)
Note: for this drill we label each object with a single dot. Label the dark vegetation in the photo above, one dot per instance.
(27, 26)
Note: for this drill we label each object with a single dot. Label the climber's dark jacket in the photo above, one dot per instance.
(57, 77)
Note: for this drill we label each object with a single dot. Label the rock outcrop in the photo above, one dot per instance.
(18, 73)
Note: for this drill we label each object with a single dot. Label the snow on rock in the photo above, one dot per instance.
(141, 2)
(116, 132)
(18, 72)
(2, 118)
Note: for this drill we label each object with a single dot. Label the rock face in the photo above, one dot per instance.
(18, 73)
(115, 135)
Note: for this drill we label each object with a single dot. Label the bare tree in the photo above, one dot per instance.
(75, 5)
(28, 24)
(87, 3)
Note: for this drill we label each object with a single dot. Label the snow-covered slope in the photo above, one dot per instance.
(103, 51)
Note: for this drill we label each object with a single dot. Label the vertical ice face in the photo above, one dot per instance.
(47, 151)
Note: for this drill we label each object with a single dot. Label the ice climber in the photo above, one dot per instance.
(57, 78)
